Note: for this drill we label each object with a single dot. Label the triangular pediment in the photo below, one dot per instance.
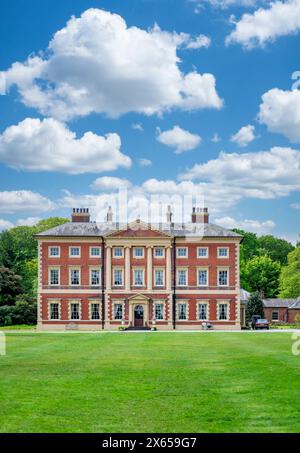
(139, 229)
(138, 296)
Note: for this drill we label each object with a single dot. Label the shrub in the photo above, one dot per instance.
(24, 312)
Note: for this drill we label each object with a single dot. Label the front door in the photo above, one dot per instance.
(138, 316)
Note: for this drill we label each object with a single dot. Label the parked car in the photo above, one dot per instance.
(262, 324)
(253, 320)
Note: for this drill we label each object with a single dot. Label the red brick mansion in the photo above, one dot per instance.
(96, 276)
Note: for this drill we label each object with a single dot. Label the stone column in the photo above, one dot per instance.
(149, 268)
(108, 268)
(168, 269)
(127, 269)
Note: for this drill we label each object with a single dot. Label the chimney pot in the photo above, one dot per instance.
(80, 215)
(200, 215)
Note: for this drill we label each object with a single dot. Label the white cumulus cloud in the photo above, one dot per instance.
(143, 162)
(280, 112)
(110, 183)
(254, 226)
(15, 201)
(97, 63)
(179, 139)
(264, 174)
(48, 145)
(265, 25)
(244, 136)
(199, 42)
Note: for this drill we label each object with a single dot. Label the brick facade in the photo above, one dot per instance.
(64, 304)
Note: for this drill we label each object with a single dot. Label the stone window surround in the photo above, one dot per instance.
(182, 302)
(157, 256)
(177, 276)
(202, 302)
(53, 247)
(138, 257)
(74, 301)
(203, 257)
(118, 302)
(159, 302)
(54, 301)
(73, 268)
(223, 268)
(94, 268)
(157, 268)
(117, 268)
(94, 301)
(137, 268)
(95, 247)
(179, 256)
(118, 256)
(74, 247)
(223, 257)
(223, 302)
(49, 275)
(203, 268)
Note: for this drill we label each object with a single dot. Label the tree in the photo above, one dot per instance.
(249, 246)
(254, 306)
(277, 249)
(262, 275)
(18, 250)
(290, 276)
(10, 286)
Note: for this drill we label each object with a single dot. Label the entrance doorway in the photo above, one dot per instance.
(138, 316)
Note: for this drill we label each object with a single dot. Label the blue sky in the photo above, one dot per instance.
(111, 70)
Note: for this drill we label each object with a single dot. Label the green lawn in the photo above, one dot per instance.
(149, 382)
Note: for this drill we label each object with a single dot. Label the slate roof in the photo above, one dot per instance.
(93, 229)
(279, 303)
(244, 295)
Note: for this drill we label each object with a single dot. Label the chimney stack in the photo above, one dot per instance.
(200, 215)
(80, 215)
(109, 215)
(169, 214)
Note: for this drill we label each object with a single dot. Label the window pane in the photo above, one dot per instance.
(159, 278)
(75, 251)
(95, 311)
(182, 278)
(202, 311)
(95, 277)
(159, 252)
(138, 277)
(182, 311)
(223, 308)
(118, 252)
(181, 251)
(223, 252)
(118, 277)
(95, 251)
(275, 316)
(202, 277)
(54, 251)
(202, 252)
(159, 311)
(75, 279)
(118, 311)
(223, 278)
(54, 277)
(74, 311)
(54, 311)
(138, 252)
